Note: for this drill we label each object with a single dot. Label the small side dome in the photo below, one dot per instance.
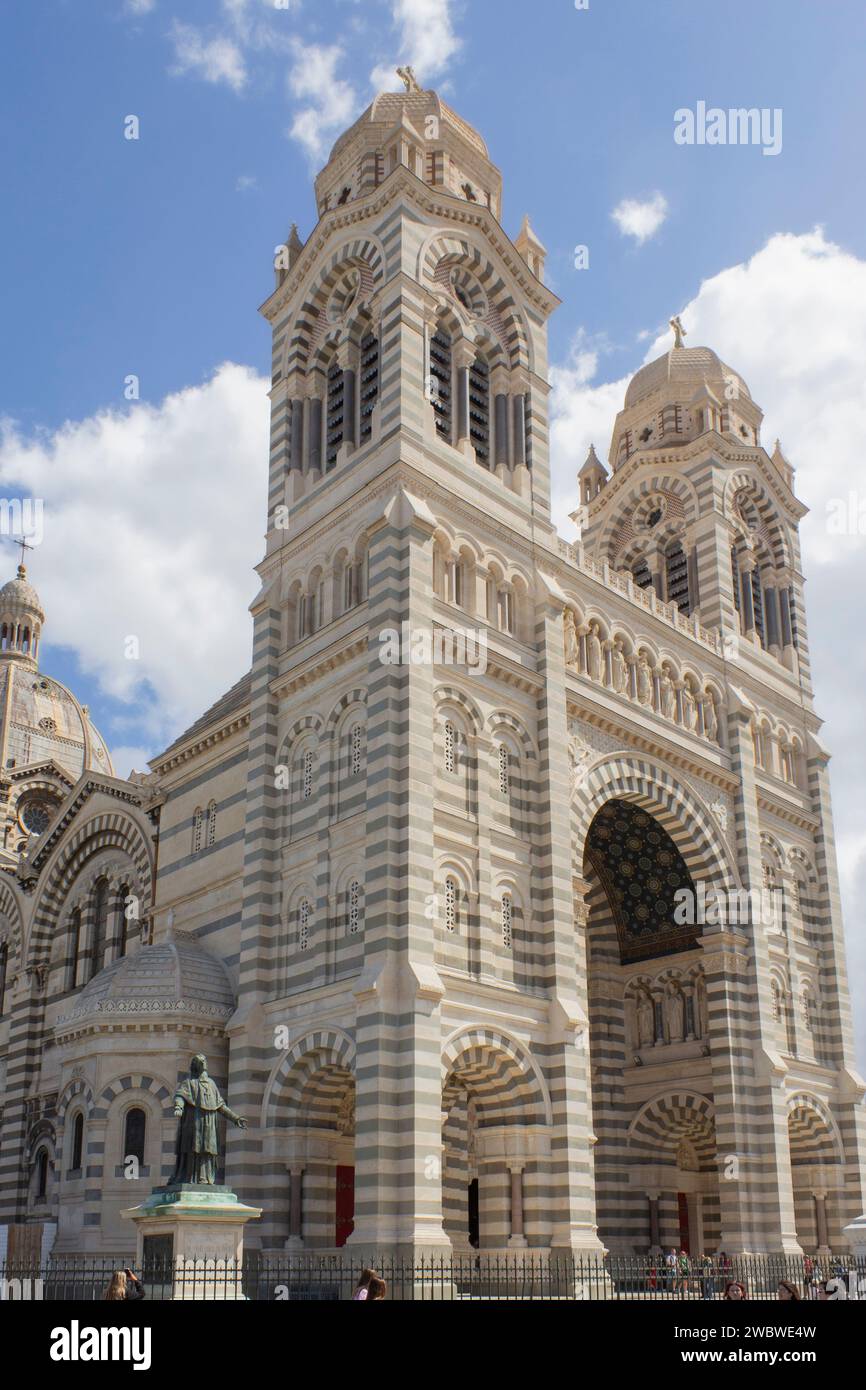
(174, 979)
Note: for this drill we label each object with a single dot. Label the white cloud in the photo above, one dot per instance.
(427, 41)
(139, 6)
(641, 220)
(153, 520)
(245, 183)
(218, 59)
(792, 321)
(331, 101)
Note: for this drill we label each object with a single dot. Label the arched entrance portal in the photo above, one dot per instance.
(311, 1109)
(495, 1145)
(818, 1176)
(655, 1157)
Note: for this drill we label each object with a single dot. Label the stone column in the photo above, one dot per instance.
(517, 1240)
(747, 606)
(820, 1199)
(655, 1238)
(463, 355)
(314, 438)
(296, 1211)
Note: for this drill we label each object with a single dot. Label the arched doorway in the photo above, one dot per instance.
(817, 1176)
(495, 1145)
(310, 1111)
(655, 1155)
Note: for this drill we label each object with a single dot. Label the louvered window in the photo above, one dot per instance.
(335, 414)
(479, 410)
(355, 750)
(641, 575)
(440, 383)
(735, 579)
(369, 382)
(758, 605)
(678, 578)
(308, 775)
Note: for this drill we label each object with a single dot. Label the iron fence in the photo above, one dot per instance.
(330, 1278)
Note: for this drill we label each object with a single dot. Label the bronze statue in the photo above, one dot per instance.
(197, 1102)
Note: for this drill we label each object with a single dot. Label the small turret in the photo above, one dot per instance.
(531, 249)
(592, 477)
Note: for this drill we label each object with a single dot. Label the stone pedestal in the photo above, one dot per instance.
(191, 1237)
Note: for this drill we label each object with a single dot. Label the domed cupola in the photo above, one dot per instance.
(414, 129)
(21, 619)
(686, 393)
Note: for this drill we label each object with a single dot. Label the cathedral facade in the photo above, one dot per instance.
(541, 951)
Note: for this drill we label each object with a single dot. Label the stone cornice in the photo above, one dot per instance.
(218, 733)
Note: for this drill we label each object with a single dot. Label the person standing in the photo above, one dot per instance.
(362, 1288)
(124, 1287)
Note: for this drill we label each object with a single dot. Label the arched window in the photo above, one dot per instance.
(450, 904)
(134, 1132)
(356, 735)
(305, 916)
(4, 967)
(77, 1155)
(211, 823)
(450, 759)
(439, 383)
(758, 605)
(197, 822)
(504, 770)
(74, 947)
(334, 428)
(307, 783)
(369, 363)
(505, 605)
(353, 896)
(100, 924)
(479, 410)
(507, 914)
(677, 570)
(123, 925)
(42, 1173)
(735, 578)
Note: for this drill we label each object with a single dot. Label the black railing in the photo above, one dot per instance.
(330, 1278)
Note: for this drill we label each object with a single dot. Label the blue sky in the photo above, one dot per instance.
(150, 257)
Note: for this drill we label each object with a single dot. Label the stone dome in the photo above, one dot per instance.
(681, 372)
(45, 721)
(19, 593)
(41, 720)
(174, 977)
(388, 108)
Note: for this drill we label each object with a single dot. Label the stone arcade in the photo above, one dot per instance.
(437, 961)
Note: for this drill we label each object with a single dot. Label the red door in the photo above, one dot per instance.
(345, 1203)
(683, 1204)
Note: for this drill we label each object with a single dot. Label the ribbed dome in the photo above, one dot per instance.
(45, 721)
(19, 593)
(388, 108)
(683, 370)
(176, 976)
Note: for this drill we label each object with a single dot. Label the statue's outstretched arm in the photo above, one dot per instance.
(230, 1115)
